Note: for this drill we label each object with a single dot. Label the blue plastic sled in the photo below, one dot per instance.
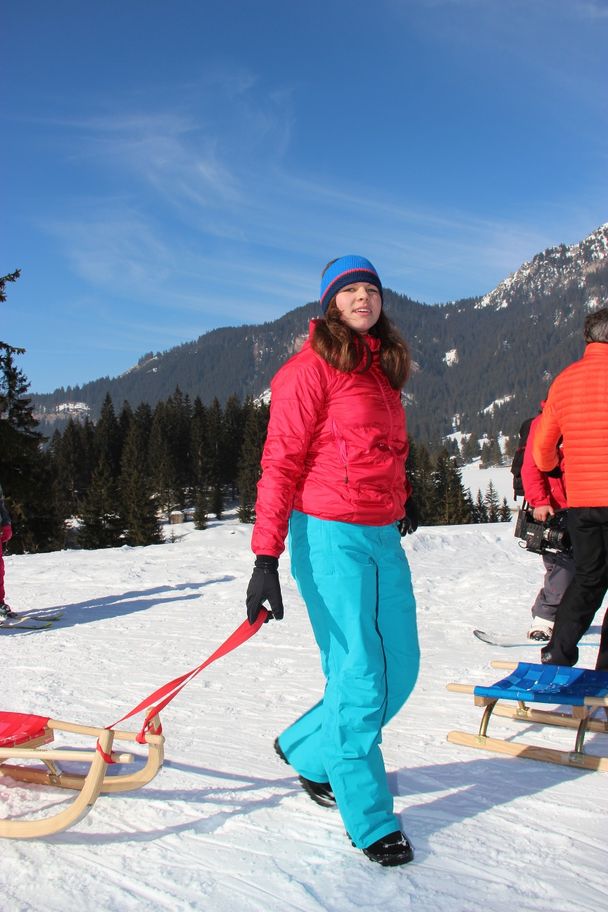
(583, 690)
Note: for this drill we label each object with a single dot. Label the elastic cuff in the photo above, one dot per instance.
(266, 562)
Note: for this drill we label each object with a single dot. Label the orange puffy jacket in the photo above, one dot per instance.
(336, 448)
(577, 409)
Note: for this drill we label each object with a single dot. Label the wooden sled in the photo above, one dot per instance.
(585, 691)
(23, 739)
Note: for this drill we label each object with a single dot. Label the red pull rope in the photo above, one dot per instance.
(170, 690)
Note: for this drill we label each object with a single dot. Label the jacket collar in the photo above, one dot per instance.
(596, 350)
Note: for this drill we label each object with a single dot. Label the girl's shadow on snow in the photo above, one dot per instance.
(206, 808)
(472, 787)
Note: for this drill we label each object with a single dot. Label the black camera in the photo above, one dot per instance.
(552, 535)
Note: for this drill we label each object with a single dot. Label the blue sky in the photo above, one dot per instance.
(170, 167)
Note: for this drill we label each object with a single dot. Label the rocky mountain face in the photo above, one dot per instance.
(481, 364)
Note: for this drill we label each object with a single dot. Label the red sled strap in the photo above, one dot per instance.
(168, 691)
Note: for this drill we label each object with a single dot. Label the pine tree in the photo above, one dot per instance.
(233, 429)
(504, 514)
(480, 514)
(420, 473)
(163, 469)
(470, 449)
(199, 445)
(471, 507)
(450, 498)
(214, 442)
(72, 456)
(108, 442)
(492, 503)
(201, 510)
(101, 522)
(178, 416)
(256, 426)
(25, 467)
(137, 505)
(490, 454)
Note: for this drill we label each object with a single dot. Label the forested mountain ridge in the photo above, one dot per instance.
(481, 364)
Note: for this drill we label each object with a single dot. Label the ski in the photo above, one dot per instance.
(30, 620)
(16, 624)
(499, 639)
(507, 642)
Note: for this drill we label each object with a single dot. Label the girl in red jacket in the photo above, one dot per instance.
(546, 494)
(334, 477)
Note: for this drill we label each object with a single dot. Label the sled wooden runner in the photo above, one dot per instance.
(583, 690)
(25, 738)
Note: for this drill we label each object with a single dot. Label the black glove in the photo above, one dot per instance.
(409, 523)
(264, 586)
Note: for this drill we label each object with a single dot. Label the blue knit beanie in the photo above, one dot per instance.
(344, 271)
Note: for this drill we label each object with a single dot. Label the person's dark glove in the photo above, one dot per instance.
(409, 523)
(264, 586)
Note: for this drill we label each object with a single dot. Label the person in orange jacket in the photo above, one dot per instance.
(6, 532)
(577, 410)
(545, 492)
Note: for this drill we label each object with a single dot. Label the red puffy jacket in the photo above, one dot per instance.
(336, 448)
(539, 488)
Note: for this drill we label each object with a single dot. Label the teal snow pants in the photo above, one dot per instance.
(357, 586)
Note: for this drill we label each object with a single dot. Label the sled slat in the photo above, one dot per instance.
(530, 751)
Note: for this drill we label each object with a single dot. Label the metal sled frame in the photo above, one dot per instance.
(585, 691)
(29, 742)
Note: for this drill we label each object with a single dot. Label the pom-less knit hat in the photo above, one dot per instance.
(344, 271)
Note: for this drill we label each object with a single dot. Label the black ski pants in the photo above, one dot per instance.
(588, 528)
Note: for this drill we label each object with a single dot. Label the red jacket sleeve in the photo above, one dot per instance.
(537, 490)
(298, 394)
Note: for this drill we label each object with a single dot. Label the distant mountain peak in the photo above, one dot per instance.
(547, 271)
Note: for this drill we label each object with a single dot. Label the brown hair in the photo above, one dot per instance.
(596, 326)
(347, 351)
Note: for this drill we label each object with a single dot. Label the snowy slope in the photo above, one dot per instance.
(476, 479)
(225, 826)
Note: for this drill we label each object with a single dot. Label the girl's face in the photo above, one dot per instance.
(359, 305)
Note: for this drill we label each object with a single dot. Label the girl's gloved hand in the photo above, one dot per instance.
(264, 586)
(409, 523)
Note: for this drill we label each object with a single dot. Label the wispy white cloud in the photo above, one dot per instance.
(592, 9)
(113, 248)
(209, 215)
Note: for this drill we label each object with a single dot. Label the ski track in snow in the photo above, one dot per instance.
(224, 825)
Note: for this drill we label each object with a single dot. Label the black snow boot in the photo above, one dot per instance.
(6, 611)
(320, 792)
(391, 850)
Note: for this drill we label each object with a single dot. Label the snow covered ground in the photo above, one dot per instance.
(225, 826)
